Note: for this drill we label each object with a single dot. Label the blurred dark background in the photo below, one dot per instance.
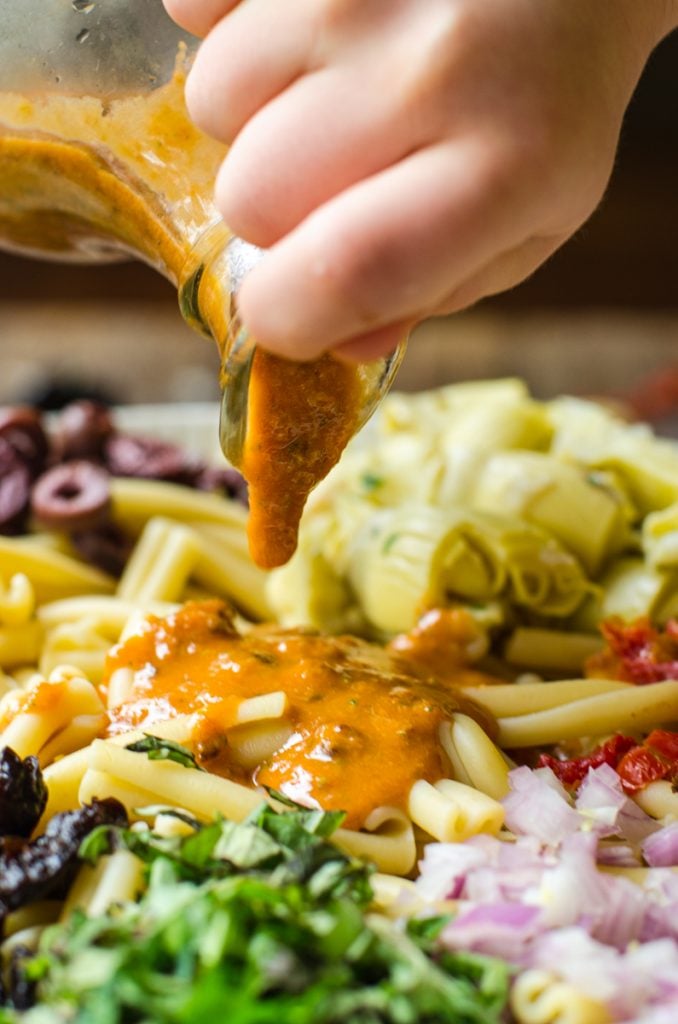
(610, 294)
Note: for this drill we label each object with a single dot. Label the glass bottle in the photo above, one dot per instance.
(100, 161)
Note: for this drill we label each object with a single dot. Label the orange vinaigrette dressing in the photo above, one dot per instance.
(364, 726)
(133, 174)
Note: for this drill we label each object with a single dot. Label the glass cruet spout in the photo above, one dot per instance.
(99, 160)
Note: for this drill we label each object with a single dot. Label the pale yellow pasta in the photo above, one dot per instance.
(78, 644)
(659, 800)
(512, 699)
(639, 876)
(393, 894)
(161, 563)
(79, 733)
(27, 938)
(635, 708)
(29, 731)
(267, 705)
(119, 687)
(114, 879)
(483, 763)
(7, 684)
(172, 784)
(52, 574)
(169, 825)
(388, 841)
(17, 600)
(20, 645)
(453, 812)
(39, 913)
(538, 997)
(134, 502)
(226, 569)
(178, 729)
(549, 650)
(96, 785)
(251, 744)
(107, 614)
(63, 779)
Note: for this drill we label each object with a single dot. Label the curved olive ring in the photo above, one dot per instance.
(82, 430)
(21, 427)
(72, 496)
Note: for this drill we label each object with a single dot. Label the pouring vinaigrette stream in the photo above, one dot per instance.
(89, 177)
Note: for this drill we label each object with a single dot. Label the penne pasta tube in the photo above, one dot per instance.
(256, 709)
(17, 600)
(388, 840)
(101, 785)
(392, 894)
(168, 783)
(79, 733)
(452, 812)
(635, 708)
(107, 615)
(255, 742)
(538, 997)
(224, 567)
(20, 645)
(78, 644)
(161, 563)
(484, 763)
(119, 687)
(513, 699)
(52, 574)
(49, 707)
(63, 779)
(134, 502)
(34, 914)
(115, 878)
(550, 650)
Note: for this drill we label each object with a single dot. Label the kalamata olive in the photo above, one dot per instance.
(149, 459)
(226, 480)
(15, 489)
(21, 427)
(82, 430)
(106, 547)
(72, 496)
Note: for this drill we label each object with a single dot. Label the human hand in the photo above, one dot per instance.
(404, 158)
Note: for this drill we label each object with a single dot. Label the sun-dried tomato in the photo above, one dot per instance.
(574, 770)
(665, 744)
(640, 767)
(636, 652)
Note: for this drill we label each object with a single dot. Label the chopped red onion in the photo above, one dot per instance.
(535, 806)
(660, 850)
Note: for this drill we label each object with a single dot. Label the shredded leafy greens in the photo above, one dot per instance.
(251, 923)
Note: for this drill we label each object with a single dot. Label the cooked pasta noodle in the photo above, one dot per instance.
(512, 700)
(387, 840)
(659, 800)
(17, 600)
(537, 997)
(634, 708)
(453, 812)
(162, 561)
(470, 748)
